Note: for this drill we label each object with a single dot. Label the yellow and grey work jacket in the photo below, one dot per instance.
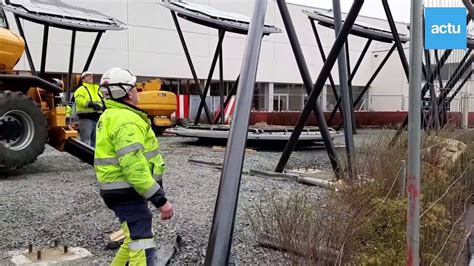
(127, 160)
(83, 96)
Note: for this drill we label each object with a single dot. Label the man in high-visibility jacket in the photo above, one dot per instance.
(129, 167)
(89, 107)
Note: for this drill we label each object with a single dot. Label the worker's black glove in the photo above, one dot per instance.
(94, 106)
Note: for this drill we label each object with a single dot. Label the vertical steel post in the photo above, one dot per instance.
(220, 239)
(347, 108)
(349, 86)
(221, 83)
(44, 50)
(414, 134)
(308, 83)
(71, 64)
(402, 178)
(321, 80)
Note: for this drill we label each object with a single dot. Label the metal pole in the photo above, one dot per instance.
(220, 239)
(321, 80)
(221, 83)
(71, 64)
(27, 49)
(209, 77)
(345, 95)
(44, 50)
(402, 177)
(94, 48)
(349, 86)
(306, 76)
(191, 66)
(414, 134)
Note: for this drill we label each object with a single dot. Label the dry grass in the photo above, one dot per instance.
(366, 221)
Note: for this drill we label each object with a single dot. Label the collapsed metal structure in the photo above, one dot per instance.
(220, 239)
(223, 22)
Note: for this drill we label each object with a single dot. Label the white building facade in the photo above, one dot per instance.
(150, 48)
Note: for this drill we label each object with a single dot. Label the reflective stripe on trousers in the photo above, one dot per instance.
(142, 244)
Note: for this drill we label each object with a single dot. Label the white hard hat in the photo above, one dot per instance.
(116, 83)
(85, 73)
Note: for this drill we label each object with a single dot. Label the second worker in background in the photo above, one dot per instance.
(89, 107)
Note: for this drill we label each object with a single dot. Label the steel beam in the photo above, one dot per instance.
(191, 66)
(227, 100)
(396, 37)
(316, 108)
(220, 239)
(372, 78)
(440, 79)
(221, 83)
(323, 56)
(71, 64)
(209, 77)
(321, 80)
(354, 71)
(461, 85)
(414, 134)
(91, 54)
(345, 88)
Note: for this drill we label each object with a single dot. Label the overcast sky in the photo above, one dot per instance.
(373, 8)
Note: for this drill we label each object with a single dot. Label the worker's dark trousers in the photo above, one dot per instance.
(138, 247)
(88, 131)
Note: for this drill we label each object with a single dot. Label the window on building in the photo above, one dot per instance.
(259, 97)
(356, 91)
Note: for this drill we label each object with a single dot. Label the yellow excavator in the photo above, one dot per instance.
(32, 112)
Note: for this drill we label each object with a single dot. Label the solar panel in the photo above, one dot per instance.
(56, 13)
(214, 18)
(359, 29)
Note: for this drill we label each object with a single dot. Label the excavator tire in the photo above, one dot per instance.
(23, 130)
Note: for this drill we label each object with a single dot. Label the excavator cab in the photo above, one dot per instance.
(32, 112)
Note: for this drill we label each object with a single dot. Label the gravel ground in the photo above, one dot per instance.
(56, 198)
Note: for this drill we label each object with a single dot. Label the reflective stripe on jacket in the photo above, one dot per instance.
(127, 153)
